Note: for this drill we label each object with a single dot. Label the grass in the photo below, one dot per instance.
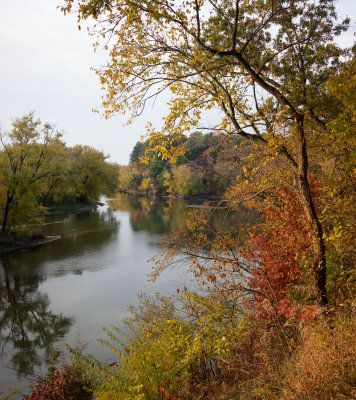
(321, 366)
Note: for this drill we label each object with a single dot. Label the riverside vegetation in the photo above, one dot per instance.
(207, 167)
(38, 172)
(272, 312)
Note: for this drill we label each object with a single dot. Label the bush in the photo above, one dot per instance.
(66, 383)
(161, 355)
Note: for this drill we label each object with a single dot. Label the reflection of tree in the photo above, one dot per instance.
(84, 237)
(152, 215)
(26, 324)
(29, 330)
(153, 219)
(165, 216)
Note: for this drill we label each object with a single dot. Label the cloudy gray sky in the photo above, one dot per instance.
(45, 67)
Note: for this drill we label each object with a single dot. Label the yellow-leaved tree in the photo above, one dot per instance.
(263, 64)
(24, 167)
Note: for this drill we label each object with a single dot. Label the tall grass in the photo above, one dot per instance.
(319, 363)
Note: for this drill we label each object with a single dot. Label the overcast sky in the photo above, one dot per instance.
(45, 67)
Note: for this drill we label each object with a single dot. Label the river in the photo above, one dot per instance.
(67, 290)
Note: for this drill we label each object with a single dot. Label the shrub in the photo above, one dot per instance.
(62, 384)
(161, 355)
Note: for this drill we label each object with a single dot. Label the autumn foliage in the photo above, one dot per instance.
(55, 389)
(278, 250)
(270, 311)
(62, 384)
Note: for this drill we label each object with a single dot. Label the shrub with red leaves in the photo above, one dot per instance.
(63, 384)
(53, 389)
(296, 311)
(278, 251)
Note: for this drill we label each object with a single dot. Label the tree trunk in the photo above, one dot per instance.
(9, 199)
(319, 258)
(301, 170)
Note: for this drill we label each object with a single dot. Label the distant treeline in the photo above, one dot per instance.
(209, 165)
(38, 170)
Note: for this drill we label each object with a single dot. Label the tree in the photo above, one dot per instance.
(156, 168)
(128, 179)
(336, 151)
(218, 54)
(186, 182)
(137, 152)
(91, 175)
(24, 167)
(79, 174)
(145, 185)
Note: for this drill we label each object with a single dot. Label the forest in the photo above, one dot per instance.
(207, 168)
(270, 313)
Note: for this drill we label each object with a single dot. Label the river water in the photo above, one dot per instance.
(67, 290)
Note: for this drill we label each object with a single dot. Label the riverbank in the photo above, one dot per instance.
(10, 245)
(203, 197)
(65, 208)
(316, 362)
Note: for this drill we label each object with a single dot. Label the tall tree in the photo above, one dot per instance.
(262, 63)
(23, 167)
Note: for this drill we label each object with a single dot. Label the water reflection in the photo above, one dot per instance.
(28, 328)
(30, 331)
(84, 237)
(159, 216)
(152, 215)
